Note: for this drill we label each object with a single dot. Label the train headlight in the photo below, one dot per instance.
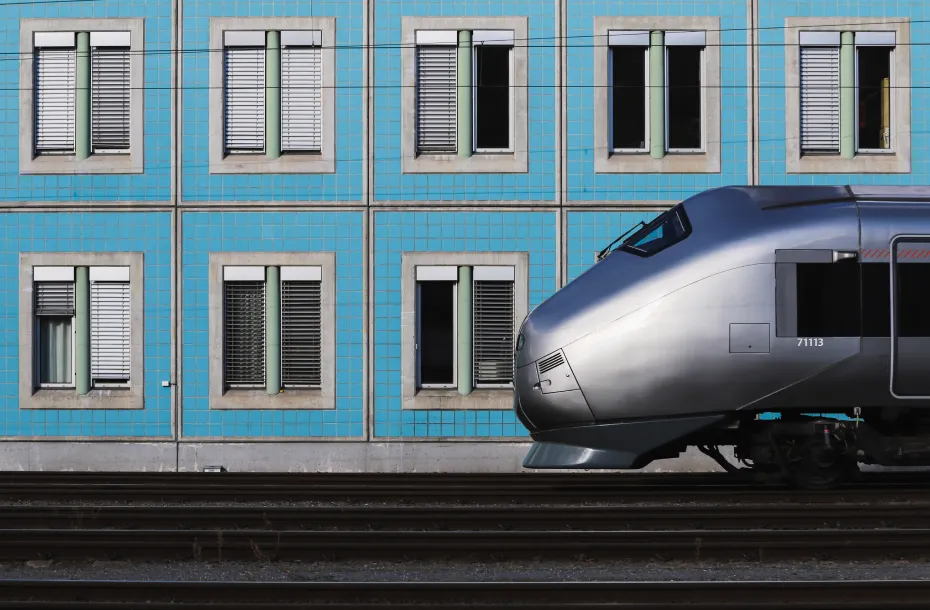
(519, 342)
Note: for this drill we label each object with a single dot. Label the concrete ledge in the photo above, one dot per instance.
(350, 456)
(93, 456)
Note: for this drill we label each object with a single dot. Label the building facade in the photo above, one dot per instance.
(299, 235)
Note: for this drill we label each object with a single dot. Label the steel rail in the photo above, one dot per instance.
(219, 544)
(754, 595)
(727, 516)
(372, 487)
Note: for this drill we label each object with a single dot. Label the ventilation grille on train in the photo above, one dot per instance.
(551, 362)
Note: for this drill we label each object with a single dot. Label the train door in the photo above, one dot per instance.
(910, 316)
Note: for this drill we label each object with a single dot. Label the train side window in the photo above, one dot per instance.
(818, 299)
(876, 304)
(911, 303)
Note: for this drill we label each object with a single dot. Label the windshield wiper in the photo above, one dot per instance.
(605, 251)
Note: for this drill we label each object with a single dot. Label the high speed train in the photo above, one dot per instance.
(791, 323)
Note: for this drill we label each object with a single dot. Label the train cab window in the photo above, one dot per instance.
(663, 232)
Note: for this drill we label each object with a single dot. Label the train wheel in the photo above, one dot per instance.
(822, 467)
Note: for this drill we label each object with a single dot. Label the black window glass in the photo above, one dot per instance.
(828, 299)
(492, 97)
(684, 97)
(912, 301)
(874, 97)
(629, 97)
(436, 340)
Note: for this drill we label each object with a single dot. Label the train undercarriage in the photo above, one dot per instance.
(821, 451)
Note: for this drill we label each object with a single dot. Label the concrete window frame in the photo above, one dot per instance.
(705, 162)
(132, 163)
(897, 162)
(320, 398)
(323, 163)
(441, 398)
(515, 162)
(31, 397)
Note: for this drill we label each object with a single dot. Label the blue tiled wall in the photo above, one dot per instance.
(772, 14)
(348, 181)
(149, 233)
(539, 182)
(339, 232)
(155, 183)
(590, 232)
(399, 232)
(582, 183)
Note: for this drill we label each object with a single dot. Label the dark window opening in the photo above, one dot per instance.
(629, 97)
(828, 299)
(876, 304)
(684, 97)
(492, 97)
(912, 307)
(874, 98)
(436, 341)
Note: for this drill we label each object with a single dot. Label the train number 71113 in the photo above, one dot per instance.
(810, 342)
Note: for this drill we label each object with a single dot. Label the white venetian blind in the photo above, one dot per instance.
(245, 98)
(244, 333)
(820, 98)
(54, 99)
(493, 332)
(436, 99)
(109, 69)
(109, 331)
(301, 92)
(300, 333)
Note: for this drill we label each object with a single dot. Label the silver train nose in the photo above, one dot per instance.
(546, 394)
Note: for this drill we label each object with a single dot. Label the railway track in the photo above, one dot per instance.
(764, 595)
(283, 545)
(448, 488)
(655, 517)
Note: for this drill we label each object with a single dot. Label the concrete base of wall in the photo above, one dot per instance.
(88, 456)
(290, 457)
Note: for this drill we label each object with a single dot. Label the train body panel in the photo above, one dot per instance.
(740, 300)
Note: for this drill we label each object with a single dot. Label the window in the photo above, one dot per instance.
(491, 92)
(274, 96)
(874, 58)
(684, 101)
(821, 68)
(657, 95)
(848, 87)
(663, 232)
(58, 320)
(289, 298)
(93, 133)
(629, 102)
(54, 310)
(83, 349)
(301, 92)
(490, 305)
(458, 345)
(273, 316)
(464, 95)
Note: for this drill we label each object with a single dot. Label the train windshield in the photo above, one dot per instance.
(665, 230)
